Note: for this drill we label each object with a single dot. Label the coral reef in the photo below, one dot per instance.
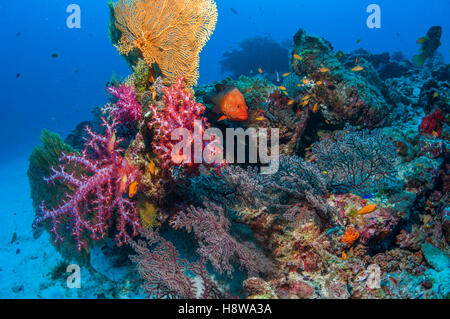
(359, 205)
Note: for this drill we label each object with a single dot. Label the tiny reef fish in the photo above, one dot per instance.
(133, 189)
(357, 68)
(367, 209)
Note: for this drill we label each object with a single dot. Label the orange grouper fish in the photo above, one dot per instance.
(228, 101)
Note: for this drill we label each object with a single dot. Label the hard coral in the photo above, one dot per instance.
(170, 33)
(97, 200)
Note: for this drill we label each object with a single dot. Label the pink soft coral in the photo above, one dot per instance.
(180, 111)
(127, 109)
(99, 177)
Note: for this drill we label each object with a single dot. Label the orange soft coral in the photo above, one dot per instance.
(350, 236)
(170, 33)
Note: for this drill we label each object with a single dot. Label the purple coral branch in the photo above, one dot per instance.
(97, 199)
(211, 228)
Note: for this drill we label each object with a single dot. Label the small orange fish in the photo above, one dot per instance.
(306, 97)
(305, 103)
(133, 189)
(112, 143)
(315, 108)
(282, 88)
(299, 85)
(324, 70)
(319, 82)
(151, 168)
(286, 74)
(13, 239)
(259, 118)
(123, 183)
(297, 57)
(421, 40)
(228, 101)
(305, 81)
(260, 70)
(326, 121)
(356, 60)
(357, 68)
(367, 209)
(291, 102)
(344, 255)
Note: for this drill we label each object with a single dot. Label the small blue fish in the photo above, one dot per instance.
(367, 196)
(333, 230)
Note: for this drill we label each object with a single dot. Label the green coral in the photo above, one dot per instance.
(115, 35)
(430, 43)
(141, 77)
(41, 160)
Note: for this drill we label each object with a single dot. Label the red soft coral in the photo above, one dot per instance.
(432, 123)
(180, 111)
(99, 180)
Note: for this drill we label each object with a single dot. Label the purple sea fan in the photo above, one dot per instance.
(164, 272)
(357, 161)
(211, 228)
(126, 110)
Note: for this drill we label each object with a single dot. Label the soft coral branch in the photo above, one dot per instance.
(99, 177)
(211, 227)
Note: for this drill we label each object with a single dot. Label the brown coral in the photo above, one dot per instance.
(169, 33)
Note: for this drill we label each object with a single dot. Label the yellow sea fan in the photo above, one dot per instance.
(148, 213)
(170, 33)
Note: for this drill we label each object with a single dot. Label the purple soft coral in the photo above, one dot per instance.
(127, 109)
(99, 177)
(211, 227)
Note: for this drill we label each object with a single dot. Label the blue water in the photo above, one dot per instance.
(59, 93)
